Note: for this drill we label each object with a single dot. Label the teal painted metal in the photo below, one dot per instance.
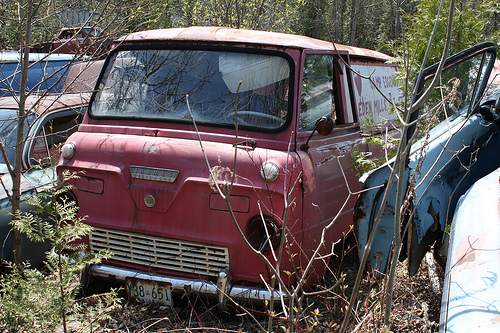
(457, 152)
(471, 292)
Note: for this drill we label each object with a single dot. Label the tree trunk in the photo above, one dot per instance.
(17, 241)
(341, 22)
(317, 19)
(3, 9)
(354, 21)
(335, 20)
(397, 19)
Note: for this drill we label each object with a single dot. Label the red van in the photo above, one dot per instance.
(270, 118)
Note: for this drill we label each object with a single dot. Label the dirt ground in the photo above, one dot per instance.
(415, 308)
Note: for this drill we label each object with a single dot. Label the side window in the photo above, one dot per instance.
(40, 150)
(51, 136)
(317, 98)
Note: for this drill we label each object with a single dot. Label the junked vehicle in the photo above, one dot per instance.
(470, 292)
(51, 119)
(90, 40)
(460, 148)
(179, 110)
(46, 73)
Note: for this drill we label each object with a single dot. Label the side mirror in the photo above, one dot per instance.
(497, 105)
(324, 126)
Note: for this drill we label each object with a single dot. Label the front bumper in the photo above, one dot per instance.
(222, 289)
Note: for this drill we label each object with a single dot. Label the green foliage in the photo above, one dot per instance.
(492, 13)
(273, 15)
(374, 141)
(114, 17)
(376, 24)
(470, 24)
(24, 303)
(38, 301)
(364, 160)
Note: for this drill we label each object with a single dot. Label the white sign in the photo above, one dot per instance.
(371, 104)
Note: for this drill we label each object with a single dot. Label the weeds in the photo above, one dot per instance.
(33, 300)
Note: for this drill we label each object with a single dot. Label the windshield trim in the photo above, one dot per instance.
(284, 55)
(29, 123)
(429, 72)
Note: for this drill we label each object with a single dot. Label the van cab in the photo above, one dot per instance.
(270, 119)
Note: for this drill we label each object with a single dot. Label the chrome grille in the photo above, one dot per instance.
(162, 253)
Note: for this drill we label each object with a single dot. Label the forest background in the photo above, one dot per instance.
(372, 24)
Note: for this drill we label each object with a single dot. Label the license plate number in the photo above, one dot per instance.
(148, 291)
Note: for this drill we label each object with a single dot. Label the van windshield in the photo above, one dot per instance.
(160, 84)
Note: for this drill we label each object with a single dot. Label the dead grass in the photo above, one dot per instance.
(415, 306)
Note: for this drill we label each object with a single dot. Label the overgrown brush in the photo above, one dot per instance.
(36, 300)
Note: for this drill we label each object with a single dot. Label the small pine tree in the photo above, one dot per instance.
(38, 301)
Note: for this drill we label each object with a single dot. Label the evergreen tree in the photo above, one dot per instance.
(472, 24)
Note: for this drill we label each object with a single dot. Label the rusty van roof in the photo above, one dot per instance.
(230, 35)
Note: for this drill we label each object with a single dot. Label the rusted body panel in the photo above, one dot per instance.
(255, 38)
(145, 175)
(194, 212)
(82, 77)
(53, 102)
(74, 40)
(471, 292)
(436, 196)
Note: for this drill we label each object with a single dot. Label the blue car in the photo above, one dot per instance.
(471, 292)
(460, 148)
(453, 185)
(50, 121)
(46, 73)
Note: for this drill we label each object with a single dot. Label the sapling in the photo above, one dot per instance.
(46, 300)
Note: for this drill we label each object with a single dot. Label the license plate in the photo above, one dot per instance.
(148, 291)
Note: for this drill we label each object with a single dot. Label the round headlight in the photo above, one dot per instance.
(68, 150)
(269, 172)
